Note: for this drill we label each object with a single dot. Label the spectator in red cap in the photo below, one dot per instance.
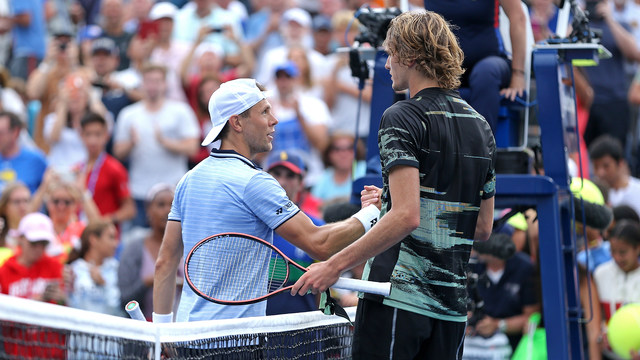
(289, 169)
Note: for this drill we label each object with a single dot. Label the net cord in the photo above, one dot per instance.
(61, 317)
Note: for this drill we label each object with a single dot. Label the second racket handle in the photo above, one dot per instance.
(371, 287)
(133, 309)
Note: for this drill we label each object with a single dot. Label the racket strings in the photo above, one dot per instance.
(236, 268)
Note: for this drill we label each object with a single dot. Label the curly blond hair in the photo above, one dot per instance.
(426, 38)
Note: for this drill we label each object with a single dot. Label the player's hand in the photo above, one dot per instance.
(371, 195)
(318, 279)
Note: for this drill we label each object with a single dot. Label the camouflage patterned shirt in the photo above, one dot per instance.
(454, 150)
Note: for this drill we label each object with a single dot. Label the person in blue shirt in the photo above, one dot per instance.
(28, 30)
(17, 162)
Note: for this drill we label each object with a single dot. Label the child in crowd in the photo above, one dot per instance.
(95, 272)
(618, 280)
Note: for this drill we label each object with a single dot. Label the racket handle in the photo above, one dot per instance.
(133, 308)
(371, 287)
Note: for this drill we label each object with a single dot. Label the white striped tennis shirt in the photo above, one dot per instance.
(226, 193)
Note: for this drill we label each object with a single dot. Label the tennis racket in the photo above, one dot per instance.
(240, 269)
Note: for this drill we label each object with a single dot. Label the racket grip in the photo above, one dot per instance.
(133, 309)
(371, 287)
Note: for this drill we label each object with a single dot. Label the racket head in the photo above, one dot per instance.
(236, 269)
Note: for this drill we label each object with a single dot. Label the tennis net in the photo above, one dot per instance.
(36, 330)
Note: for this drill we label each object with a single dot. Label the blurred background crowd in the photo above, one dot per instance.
(103, 105)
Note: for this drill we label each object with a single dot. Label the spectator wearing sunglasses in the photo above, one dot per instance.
(69, 210)
(335, 182)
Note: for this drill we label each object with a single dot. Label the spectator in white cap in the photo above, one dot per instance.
(31, 274)
(167, 51)
(227, 192)
(295, 28)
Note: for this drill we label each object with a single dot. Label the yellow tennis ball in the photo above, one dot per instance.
(624, 330)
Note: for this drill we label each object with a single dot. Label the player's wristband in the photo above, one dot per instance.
(163, 318)
(368, 216)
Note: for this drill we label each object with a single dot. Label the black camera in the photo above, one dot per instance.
(475, 303)
(376, 21)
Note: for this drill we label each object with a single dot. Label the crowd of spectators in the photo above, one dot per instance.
(103, 105)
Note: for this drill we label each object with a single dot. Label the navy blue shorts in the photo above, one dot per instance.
(383, 332)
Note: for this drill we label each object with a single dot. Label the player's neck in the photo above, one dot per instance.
(233, 144)
(418, 82)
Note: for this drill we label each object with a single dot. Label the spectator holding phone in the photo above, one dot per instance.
(62, 127)
(44, 83)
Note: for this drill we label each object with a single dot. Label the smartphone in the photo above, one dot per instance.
(148, 28)
(216, 29)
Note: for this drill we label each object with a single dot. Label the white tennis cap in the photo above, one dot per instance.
(232, 98)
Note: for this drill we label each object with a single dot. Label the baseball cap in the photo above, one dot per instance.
(321, 22)
(37, 227)
(298, 15)
(288, 159)
(163, 10)
(289, 68)
(232, 98)
(104, 44)
(89, 32)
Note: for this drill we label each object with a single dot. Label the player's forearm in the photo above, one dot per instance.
(164, 280)
(390, 229)
(164, 283)
(340, 235)
(484, 224)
